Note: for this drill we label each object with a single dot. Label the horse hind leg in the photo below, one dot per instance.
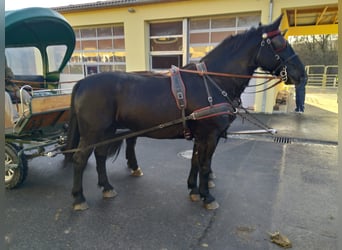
(80, 160)
(101, 157)
(131, 158)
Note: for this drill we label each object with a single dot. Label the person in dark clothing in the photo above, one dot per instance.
(300, 97)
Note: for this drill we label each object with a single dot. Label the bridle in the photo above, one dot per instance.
(268, 41)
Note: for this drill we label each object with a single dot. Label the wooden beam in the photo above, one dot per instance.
(313, 30)
(321, 15)
(336, 18)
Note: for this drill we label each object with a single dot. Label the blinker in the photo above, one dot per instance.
(279, 43)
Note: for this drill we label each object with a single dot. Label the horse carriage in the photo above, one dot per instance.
(196, 101)
(39, 42)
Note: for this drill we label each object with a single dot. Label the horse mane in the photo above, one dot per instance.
(231, 44)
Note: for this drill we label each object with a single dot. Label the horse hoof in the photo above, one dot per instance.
(137, 173)
(81, 206)
(211, 206)
(109, 194)
(211, 184)
(195, 197)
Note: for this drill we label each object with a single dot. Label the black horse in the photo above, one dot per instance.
(105, 102)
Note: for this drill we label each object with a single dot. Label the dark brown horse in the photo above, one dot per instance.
(105, 102)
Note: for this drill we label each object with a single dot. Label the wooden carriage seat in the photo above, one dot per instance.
(45, 112)
(48, 111)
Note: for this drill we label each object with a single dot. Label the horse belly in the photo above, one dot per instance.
(144, 115)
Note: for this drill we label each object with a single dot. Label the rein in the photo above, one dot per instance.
(203, 113)
(263, 90)
(236, 103)
(201, 73)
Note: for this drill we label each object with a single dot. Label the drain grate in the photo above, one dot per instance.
(284, 140)
(281, 139)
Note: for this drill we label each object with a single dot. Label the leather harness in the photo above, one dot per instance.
(179, 93)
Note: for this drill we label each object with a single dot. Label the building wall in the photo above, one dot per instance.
(137, 32)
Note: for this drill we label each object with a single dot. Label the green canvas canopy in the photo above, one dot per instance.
(40, 28)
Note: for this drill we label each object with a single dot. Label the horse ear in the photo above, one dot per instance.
(277, 22)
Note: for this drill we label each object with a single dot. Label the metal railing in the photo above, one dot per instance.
(322, 75)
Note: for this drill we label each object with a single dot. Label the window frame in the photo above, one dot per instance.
(78, 58)
(182, 52)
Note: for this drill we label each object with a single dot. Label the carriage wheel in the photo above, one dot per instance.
(15, 167)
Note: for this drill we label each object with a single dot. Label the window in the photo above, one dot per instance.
(98, 49)
(55, 55)
(24, 61)
(174, 42)
(207, 32)
(166, 45)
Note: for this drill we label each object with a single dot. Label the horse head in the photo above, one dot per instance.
(277, 56)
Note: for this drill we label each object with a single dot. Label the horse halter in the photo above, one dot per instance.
(276, 43)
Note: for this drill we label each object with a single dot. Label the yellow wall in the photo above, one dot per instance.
(136, 29)
(135, 23)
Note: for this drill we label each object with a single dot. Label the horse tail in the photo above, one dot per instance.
(114, 149)
(73, 133)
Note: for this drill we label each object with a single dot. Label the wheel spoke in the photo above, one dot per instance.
(15, 166)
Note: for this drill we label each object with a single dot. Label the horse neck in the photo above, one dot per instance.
(239, 62)
(237, 65)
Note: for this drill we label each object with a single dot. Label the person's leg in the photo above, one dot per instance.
(9, 109)
(300, 98)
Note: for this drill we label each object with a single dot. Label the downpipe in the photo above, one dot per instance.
(270, 18)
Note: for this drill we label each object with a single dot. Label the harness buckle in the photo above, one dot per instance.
(283, 74)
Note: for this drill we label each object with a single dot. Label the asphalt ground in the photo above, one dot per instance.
(314, 125)
(263, 185)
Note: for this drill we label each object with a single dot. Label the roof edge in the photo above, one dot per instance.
(108, 4)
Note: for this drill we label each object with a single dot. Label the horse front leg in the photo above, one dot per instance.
(131, 158)
(80, 159)
(101, 157)
(206, 149)
(212, 176)
(193, 174)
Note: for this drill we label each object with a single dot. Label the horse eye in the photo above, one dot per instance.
(279, 43)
